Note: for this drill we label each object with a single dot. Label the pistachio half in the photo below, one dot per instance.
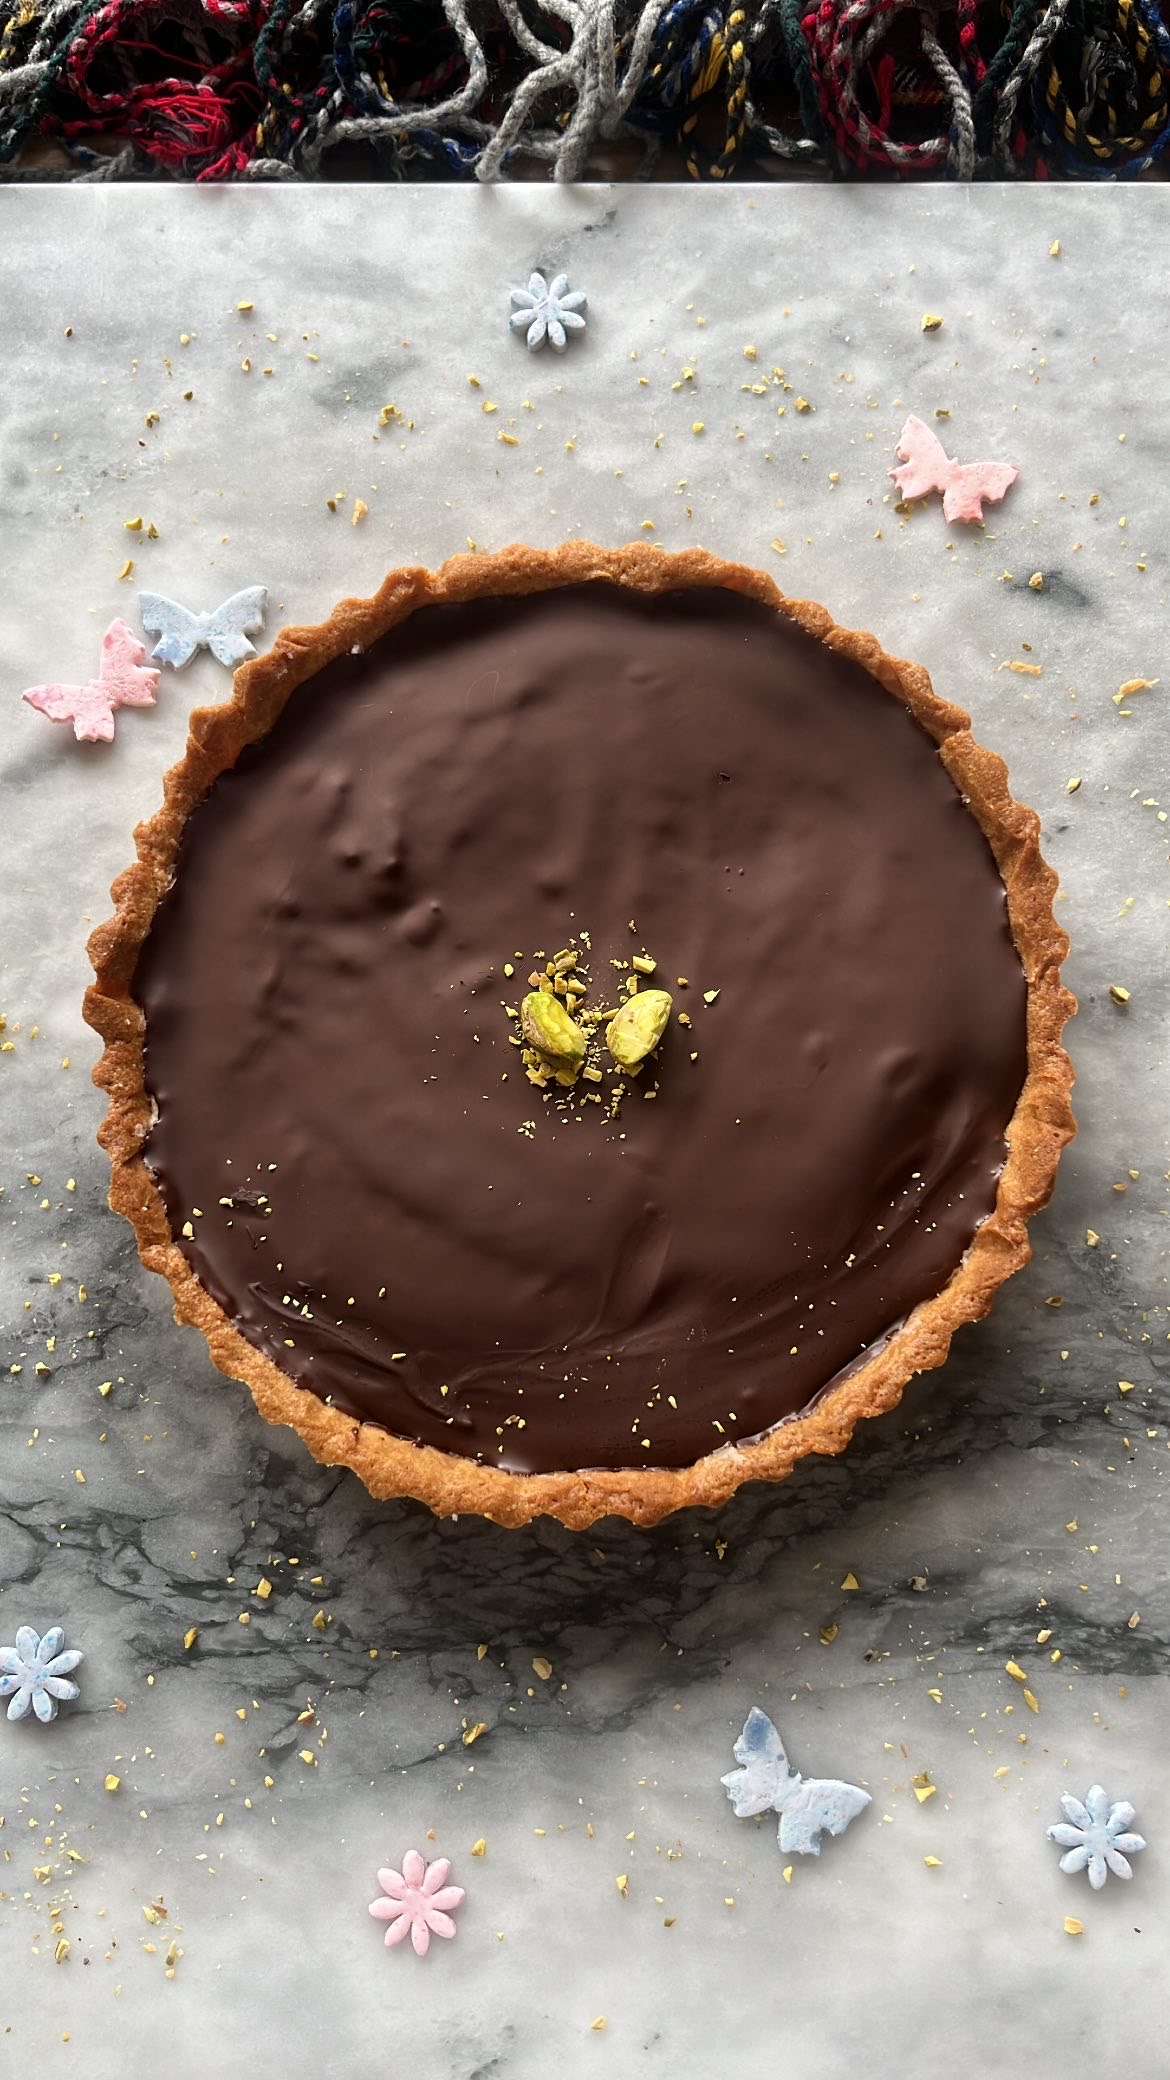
(635, 1030)
(547, 1027)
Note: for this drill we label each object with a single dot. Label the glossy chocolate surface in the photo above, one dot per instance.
(329, 1052)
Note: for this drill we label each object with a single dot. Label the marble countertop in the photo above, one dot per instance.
(1013, 1509)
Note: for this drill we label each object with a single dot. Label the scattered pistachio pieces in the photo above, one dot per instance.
(931, 321)
(473, 1733)
(598, 2022)
(1132, 686)
(360, 509)
(190, 1637)
(479, 1848)
(851, 1581)
(133, 526)
(541, 1667)
(1054, 250)
(933, 1863)
(623, 1884)
(1073, 1927)
(923, 1788)
(112, 1783)
(1073, 784)
(1015, 1672)
(127, 570)
(1036, 581)
(1118, 994)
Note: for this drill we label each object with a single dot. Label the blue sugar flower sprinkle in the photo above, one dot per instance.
(1096, 1837)
(547, 310)
(34, 1673)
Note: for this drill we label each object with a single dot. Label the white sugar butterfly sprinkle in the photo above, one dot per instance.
(808, 1806)
(225, 632)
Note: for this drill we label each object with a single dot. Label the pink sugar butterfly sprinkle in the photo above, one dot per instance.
(123, 681)
(419, 1902)
(964, 485)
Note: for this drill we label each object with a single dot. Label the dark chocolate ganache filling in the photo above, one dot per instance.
(350, 1151)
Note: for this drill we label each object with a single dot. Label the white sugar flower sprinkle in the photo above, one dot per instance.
(34, 1673)
(1096, 1836)
(548, 310)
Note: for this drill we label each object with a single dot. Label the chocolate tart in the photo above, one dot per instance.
(619, 1294)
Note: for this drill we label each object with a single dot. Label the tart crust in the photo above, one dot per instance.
(395, 1466)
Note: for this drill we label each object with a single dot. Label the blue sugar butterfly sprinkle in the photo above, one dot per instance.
(548, 310)
(225, 632)
(1096, 1837)
(34, 1674)
(808, 1806)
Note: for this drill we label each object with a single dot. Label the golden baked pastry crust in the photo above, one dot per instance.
(389, 1465)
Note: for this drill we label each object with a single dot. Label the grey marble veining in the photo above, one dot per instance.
(1018, 1491)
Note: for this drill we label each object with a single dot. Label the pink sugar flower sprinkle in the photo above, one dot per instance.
(419, 1902)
